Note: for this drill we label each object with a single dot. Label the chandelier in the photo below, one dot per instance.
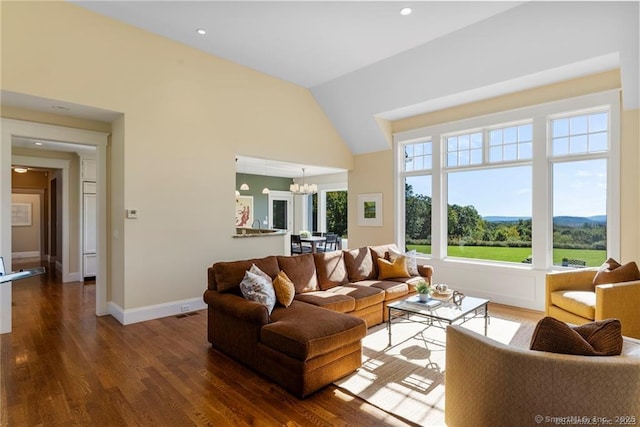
(303, 188)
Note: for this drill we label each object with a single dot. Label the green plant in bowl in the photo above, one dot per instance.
(423, 289)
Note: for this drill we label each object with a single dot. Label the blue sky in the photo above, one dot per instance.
(579, 189)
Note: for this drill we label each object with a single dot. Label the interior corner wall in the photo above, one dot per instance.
(630, 185)
(116, 214)
(372, 173)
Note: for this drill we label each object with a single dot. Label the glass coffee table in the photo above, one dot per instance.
(437, 312)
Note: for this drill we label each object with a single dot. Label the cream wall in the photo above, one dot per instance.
(185, 112)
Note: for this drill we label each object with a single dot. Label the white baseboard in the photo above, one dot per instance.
(74, 277)
(150, 312)
(28, 254)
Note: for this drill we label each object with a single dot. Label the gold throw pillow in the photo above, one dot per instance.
(392, 269)
(285, 290)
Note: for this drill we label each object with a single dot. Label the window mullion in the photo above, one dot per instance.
(541, 194)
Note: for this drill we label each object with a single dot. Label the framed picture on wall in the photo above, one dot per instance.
(370, 210)
(21, 214)
(244, 211)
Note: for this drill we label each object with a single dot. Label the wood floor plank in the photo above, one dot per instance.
(63, 365)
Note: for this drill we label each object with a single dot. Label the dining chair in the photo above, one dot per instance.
(331, 244)
(297, 247)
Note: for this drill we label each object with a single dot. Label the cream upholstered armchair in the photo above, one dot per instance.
(488, 383)
(572, 297)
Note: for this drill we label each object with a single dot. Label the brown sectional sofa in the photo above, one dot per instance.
(317, 339)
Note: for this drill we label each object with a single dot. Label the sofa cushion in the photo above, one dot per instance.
(285, 290)
(364, 296)
(554, 336)
(331, 269)
(612, 272)
(304, 331)
(411, 281)
(359, 264)
(392, 290)
(301, 270)
(258, 287)
(329, 300)
(229, 274)
(412, 262)
(582, 303)
(389, 269)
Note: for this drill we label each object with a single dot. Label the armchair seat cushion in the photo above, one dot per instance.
(582, 303)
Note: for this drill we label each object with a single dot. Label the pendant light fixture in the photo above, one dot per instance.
(244, 186)
(265, 190)
(303, 188)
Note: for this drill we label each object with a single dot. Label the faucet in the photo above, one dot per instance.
(254, 221)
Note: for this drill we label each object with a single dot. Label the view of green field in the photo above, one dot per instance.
(593, 258)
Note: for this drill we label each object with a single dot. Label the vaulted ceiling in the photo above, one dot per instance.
(366, 64)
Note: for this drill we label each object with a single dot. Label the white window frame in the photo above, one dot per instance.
(540, 114)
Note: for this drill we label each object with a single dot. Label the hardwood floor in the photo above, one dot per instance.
(63, 365)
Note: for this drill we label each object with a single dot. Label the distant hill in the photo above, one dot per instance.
(504, 218)
(567, 221)
(578, 221)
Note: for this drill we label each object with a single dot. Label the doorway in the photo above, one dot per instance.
(21, 129)
(281, 210)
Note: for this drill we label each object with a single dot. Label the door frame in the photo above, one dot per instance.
(283, 196)
(11, 128)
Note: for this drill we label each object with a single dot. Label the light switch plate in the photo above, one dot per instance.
(132, 213)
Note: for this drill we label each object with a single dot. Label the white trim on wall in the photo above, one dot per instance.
(150, 312)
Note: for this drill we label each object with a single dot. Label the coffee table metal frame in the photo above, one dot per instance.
(446, 312)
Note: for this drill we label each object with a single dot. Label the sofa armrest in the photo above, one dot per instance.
(238, 307)
(511, 386)
(620, 301)
(426, 271)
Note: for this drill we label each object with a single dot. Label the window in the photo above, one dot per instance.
(418, 161)
(464, 150)
(489, 196)
(524, 186)
(579, 145)
(489, 213)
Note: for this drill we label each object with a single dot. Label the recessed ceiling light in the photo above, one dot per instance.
(38, 143)
(20, 170)
(405, 11)
(201, 31)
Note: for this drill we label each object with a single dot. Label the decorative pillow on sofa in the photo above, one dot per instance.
(285, 291)
(553, 336)
(612, 272)
(412, 263)
(258, 288)
(395, 269)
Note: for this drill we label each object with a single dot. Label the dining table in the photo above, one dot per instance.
(314, 240)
